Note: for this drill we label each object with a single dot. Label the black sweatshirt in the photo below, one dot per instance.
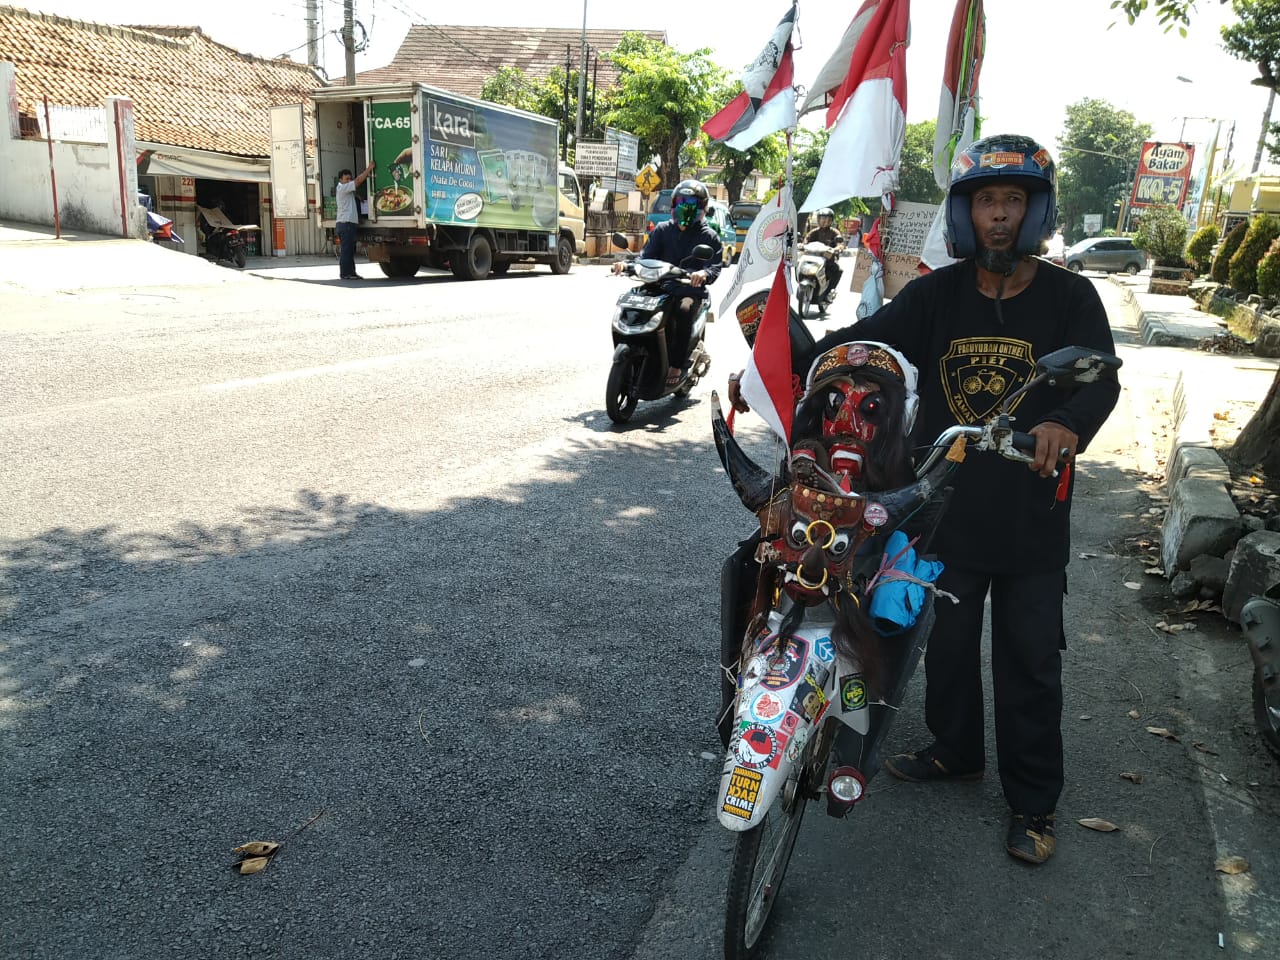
(1003, 517)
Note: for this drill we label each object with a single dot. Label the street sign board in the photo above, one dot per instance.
(596, 159)
(647, 179)
(1163, 173)
(1092, 222)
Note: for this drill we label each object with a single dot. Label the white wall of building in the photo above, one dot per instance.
(88, 177)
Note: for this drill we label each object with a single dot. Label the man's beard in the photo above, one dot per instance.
(997, 261)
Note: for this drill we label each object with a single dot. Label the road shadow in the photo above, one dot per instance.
(500, 704)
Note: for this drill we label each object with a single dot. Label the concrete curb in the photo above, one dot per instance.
(1202, 519)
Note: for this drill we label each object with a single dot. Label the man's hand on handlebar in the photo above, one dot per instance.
(619, 266)
(735, 393)
(1051, 440)
(697, 278)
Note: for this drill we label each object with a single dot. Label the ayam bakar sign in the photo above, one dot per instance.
(1163, 174)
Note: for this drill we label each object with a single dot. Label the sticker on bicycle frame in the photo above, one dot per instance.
(744, 790)
(809, 698)
(767, 708)
(757, 747)
(785, 665)
(796, 746)
(853, 693)
(825, 650)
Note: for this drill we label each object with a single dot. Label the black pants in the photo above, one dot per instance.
(680, 328)
(1026, 672)
(833, 273)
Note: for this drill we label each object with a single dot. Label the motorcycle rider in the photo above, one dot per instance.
(975, 329)
(673, 241)
(825, 232)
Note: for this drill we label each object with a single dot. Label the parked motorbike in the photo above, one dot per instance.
(223, 240)
(161, 229)
(811, 277)
(1260, 621)
(811, 689)
(640, 365)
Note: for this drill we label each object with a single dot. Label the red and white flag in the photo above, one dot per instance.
(767, 103)
(766, 383)
(957, 113)
(866, 109)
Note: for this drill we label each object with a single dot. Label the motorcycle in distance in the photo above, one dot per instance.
(811, 658)
(811, 277)
(1260, 622)
(639, 370)
(223, 240)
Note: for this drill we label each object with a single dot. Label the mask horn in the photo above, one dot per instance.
(902, 501)
(755, 485)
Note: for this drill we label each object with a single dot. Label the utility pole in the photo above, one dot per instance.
(582, 78)
(1262, 137)
(313, 33)
(349, 39)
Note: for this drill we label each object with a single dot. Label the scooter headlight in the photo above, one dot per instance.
(809, 269)
(622, 322)
(650, 271)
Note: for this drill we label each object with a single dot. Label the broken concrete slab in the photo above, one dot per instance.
(1202, 518)
(1255, 568)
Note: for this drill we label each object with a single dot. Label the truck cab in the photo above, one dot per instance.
(572, 210)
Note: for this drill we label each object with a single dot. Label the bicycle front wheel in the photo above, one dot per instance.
(760, 859)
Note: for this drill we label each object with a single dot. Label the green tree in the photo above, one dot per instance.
(663, 96)
(915, 168)
(1098, 154)
(1255, 38)
(1172, 13)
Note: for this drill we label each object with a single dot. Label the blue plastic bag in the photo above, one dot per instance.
(896, 602)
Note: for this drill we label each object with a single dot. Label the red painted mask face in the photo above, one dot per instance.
(852, 412)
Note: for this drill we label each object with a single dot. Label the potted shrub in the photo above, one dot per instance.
(1162, 235)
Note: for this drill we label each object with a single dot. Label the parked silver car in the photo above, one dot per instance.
(1109, 254)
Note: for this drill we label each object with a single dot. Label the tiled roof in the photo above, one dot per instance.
(187, 90)
(461, 59)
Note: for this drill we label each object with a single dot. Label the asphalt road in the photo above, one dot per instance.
(274, 545)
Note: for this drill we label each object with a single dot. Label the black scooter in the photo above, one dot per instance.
(640, 364)
(1260, 621)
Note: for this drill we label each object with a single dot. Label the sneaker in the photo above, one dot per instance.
(1031, 837)
(924, 767)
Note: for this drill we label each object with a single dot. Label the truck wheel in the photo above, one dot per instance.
(564, 256)
(476, 261)
(399, 268)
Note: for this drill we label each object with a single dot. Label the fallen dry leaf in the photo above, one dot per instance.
(1154, 571)
(1203, 749)
(257, 848)
(1221, 415)
(253, 865)
(1163, 732)
(1134, 715)
(1088, 556)
(1102, 826)
(1231, 865)
(1131, 777)
(1133, 585)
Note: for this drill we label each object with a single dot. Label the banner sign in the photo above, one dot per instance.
(1163, 174)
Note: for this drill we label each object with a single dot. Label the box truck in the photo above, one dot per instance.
(457, 182)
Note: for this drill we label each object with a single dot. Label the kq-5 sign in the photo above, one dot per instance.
(1163, 174)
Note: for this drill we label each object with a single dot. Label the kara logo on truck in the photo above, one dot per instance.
(451, 123)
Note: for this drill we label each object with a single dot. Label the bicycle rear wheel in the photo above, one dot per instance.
(760, 860)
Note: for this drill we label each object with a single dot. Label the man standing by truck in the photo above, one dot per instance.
(348, 220)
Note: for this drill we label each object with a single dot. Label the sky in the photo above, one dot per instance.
(1041, 55)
